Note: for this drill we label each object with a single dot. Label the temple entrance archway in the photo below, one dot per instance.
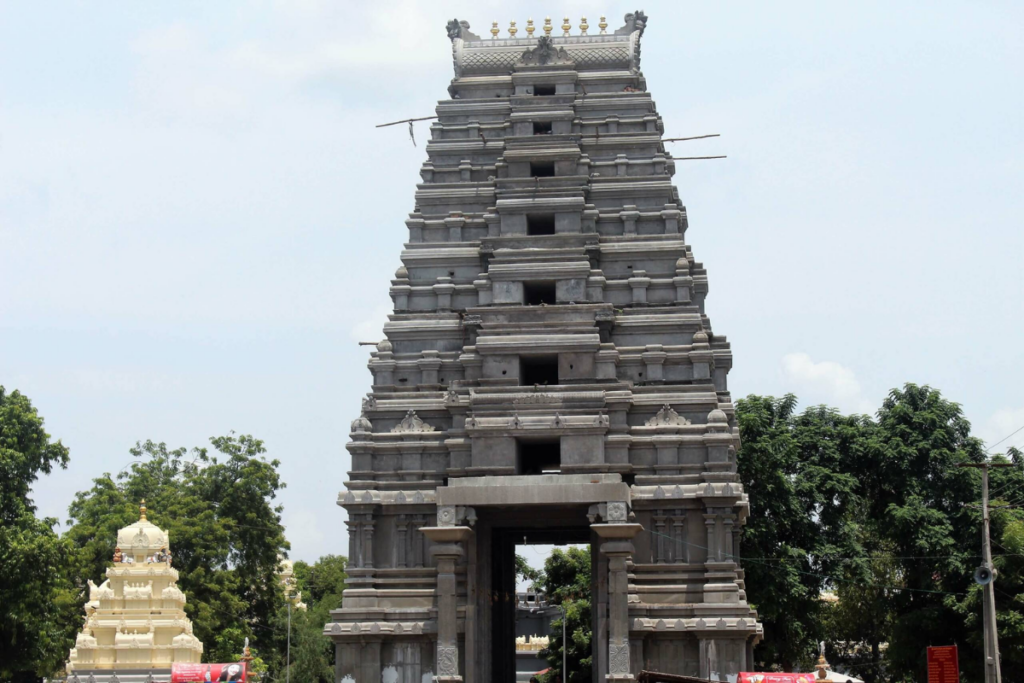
(506, 534)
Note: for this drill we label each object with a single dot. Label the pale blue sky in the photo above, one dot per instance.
(198, 219)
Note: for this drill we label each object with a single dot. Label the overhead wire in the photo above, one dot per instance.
(740, 560)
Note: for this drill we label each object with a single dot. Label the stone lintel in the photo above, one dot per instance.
(551, 489)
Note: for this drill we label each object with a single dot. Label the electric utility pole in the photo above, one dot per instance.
(987, 580)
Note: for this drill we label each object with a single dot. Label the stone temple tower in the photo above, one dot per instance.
(548, 374)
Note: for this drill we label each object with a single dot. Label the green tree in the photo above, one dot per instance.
(323, 579)
(567, 584)
(39, 604)
(800, 524)
(321, 584)
(923, 506)
(535, 577)
(225, 532)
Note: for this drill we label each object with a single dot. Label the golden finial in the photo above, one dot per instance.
(583, 26)
(529, 28)
(512, 29)
(142, 511)
(494, 30)
(547, 26)
(603, 25)
(566, 26)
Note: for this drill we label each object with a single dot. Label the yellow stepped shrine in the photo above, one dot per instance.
(135, 623)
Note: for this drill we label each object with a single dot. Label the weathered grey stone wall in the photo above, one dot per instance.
(547, 303)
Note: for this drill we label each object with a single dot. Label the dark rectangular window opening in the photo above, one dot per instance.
(542, 128)
(542, 169)
(542, 370)
(537, 293)
(540, 224)
(538, 457)
(543, 90)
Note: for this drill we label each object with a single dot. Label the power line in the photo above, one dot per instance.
(1004, 438)
(740, 560)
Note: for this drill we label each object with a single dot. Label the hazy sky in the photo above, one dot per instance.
(198, 219)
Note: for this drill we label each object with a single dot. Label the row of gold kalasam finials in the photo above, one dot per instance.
(566, 27)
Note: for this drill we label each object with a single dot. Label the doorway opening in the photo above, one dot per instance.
(537, 293)
(531, 622)
(538, 456)
(540, 370)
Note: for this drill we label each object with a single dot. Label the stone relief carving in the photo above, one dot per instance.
(609, 513)
(635, 21)
(411, 423)
(618, 658)
(530, 399)
(450, 515)
(667, 417)
(460, 29)
(446, 515)
(447, 660)
(616, 512)
(545, 53)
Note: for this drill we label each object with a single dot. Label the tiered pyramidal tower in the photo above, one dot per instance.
(548, 375)
(135, 625)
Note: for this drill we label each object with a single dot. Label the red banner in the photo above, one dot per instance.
(943, 665)
(770, 677)
(208, 673)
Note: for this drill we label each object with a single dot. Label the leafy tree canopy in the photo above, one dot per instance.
(567, 584)
(225, 532)
(39, 602)
(312, 654)
(876, 517)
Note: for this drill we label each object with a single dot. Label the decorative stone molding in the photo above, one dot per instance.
(411, 423)
(546, 53)
(667, 417)
(618, 658)
(447, 660)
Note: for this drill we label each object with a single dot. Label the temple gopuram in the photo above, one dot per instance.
(135, 624)
(549, 375)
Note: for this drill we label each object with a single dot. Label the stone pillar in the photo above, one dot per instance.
(639, 284)
(671, 214)
(659, 537)
(448, 548)
(618, 548)
(417, 542)
(354, 542)
(429, 365)
(709, 522)
(629, 216)
(443, 291)
(368, 541)
(456, 221)
(683, 281)
(680, 552)
(401, 527)
(654, 358)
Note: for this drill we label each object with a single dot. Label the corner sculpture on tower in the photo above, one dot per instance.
(135, 623)
(548, 375)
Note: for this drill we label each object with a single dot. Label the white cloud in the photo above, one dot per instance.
(302, 529)
(1002, 423)
(371, 328)
(824, 382)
